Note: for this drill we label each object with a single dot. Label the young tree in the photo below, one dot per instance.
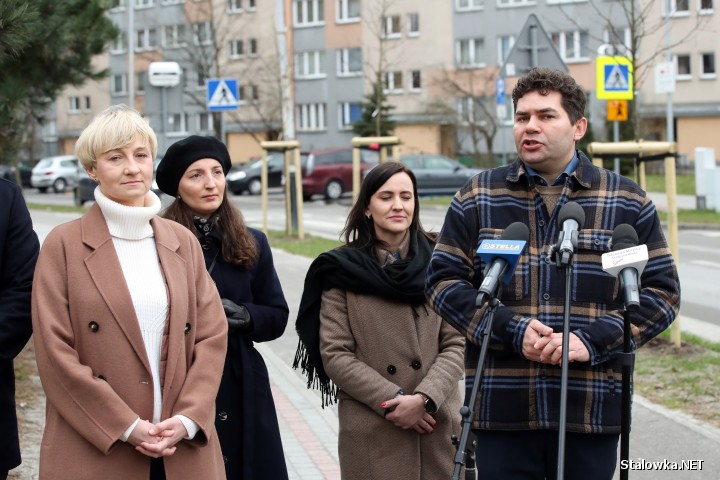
(375, 119)
(57, 52)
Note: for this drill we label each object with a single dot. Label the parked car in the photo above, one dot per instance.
(26, 167)
(85, 189)
(8, 173)
(437, 174)
(329, 172)
(58, 172)
(246, 177)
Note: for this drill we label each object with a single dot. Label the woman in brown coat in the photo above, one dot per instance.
(365, 327)
(130, 334)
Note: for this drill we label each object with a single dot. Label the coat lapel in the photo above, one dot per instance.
(174, 268)
(105, 270)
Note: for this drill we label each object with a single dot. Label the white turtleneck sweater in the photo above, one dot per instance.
(133, 238)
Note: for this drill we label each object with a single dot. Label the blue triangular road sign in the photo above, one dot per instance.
(222, 94)
(616, 78)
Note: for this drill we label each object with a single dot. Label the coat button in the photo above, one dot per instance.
(222, 416)
(187, 328)
(93, 326)
(416, 365)
(546, 296)
(391, 369)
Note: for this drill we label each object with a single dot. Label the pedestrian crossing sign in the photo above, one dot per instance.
(222, 94)
(614, 78)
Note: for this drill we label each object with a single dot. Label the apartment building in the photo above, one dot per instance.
(437, 61)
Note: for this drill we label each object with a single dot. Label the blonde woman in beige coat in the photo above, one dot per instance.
(365, 329)
(129, 330)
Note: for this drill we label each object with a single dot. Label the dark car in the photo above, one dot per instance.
(437, 174)
(8, 173)
(85, 189)
(246, 177)
(329, 172)
(26, 167)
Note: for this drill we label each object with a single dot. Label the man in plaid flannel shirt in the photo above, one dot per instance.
(517, 411)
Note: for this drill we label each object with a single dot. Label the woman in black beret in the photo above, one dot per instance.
(240, 262)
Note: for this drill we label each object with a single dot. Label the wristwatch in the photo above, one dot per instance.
(429, 404)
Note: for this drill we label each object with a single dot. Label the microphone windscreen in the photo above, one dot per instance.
(516, 231)
(624, 236)
(572, 211)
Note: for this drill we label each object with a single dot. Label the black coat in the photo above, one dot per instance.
(246, 420)
(19, 248)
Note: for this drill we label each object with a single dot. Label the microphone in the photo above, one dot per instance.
(502, 256)
(571, 218)
(627, 260)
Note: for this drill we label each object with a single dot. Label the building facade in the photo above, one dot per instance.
(438, 63)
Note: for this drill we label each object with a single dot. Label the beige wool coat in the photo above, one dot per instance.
(92, 360)
(372, 347)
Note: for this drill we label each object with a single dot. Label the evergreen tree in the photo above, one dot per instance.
(47, 56)
(375, 119)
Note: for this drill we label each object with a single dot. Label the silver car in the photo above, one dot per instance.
(58, 172)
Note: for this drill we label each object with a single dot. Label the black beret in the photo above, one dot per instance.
(183, 153)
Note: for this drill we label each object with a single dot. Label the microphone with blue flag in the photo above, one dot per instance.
(502, 256)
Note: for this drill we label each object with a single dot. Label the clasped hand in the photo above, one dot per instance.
(408, 411)
(541, 344)
(157, 440)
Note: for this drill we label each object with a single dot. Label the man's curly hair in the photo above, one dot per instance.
(546, 80)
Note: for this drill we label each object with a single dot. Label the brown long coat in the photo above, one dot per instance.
(92, 360)
(370, 348)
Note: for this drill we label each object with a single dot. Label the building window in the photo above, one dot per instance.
(679, 8)
(505, 44)
(146, 39)
(349, 62)
(73, 105)
(253, 47)
(251, 4)
(234, 6)
(515, 3)
(307, 13)
(254, 93)
(348, 10)
(117, 5)
(141, 79)
(707, 65)
(393, 82)
(470, 52)
(205, 122)
(87, 103)
(682, 67)
(144, 4)
(706, 6)
(464, 5)
(237, 49)
(202, 32)
(413, 25)
(202, 79)
(415, 81)
(310, 117)
(310, 64)
(177, 123)
(119, 84)
(391, 27)
(174, 36)
(172, 2)
(348, 113)
(119, 45)
(619, 36)
(572, 46)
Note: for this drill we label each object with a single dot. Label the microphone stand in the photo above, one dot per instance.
(564, 259)
(467, 442)
(626, 362)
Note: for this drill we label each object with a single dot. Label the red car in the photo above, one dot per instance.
(329, 172)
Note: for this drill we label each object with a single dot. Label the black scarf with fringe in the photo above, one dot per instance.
(356, 270)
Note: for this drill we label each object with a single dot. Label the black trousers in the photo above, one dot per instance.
(533, 455)
(157, 469)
